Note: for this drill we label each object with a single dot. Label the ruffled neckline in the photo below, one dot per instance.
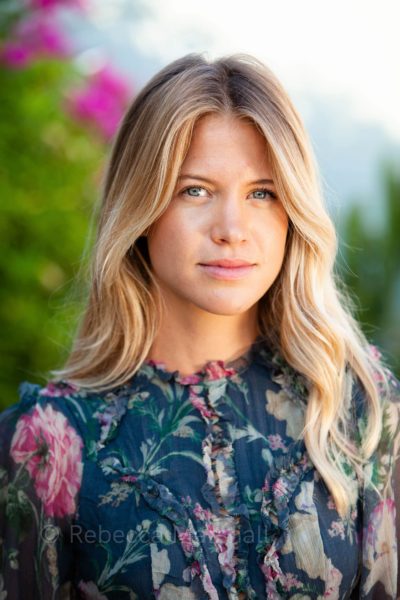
(213, 370)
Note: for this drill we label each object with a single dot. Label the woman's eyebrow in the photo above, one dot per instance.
(190, 176)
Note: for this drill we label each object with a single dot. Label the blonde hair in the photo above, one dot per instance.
(305, 314)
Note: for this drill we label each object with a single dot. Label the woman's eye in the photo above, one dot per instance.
(263, 194)
(194, 188)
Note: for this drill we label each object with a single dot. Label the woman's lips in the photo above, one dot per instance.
(219, 272)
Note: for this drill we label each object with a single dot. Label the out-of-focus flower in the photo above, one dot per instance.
(50, 4)
(34, 37)
(102, 101)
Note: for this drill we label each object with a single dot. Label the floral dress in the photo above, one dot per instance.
(191, 487)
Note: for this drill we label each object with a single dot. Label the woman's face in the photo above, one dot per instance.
(223, 209)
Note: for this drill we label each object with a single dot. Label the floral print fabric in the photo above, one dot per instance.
(190, 487)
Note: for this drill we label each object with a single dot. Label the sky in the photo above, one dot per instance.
(346, 48)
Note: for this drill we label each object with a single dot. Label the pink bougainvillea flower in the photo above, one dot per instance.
(34, 37)
(52, 452)
(15, 54)
(102, 101)
(50, 4)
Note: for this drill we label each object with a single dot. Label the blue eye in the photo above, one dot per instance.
(192, 187)
(263, 192)
(260, 194)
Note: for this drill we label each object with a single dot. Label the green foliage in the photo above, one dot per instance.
(48, 184)
(370, 266)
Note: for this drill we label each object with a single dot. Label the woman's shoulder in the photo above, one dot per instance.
(388, 387)
(56, 413)
(42, 449)
(51, 396)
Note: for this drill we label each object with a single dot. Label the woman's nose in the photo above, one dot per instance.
(230, 221)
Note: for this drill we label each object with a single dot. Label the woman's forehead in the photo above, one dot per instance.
(225, 142)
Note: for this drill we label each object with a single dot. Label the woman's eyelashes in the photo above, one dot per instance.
(193, 187)
(262, 193)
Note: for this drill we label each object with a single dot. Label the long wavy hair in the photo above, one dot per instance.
(307, 314)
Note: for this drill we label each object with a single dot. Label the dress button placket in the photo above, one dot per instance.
(218, 460)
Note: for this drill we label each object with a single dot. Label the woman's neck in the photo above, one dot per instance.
(187, 345)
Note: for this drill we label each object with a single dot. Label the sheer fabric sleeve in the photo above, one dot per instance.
(380, 573)
(40, 476)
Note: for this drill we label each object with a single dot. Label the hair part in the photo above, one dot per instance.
(306, 314)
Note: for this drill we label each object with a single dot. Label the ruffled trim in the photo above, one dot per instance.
(109, 416)
(281, 482)
(60, 389)
(28, 394)
(294, 384)
(111, 412)
(213, 370)
(230, 517)
(160, 499)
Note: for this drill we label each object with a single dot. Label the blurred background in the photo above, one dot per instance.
(69, 69)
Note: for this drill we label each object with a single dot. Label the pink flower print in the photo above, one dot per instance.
(290, 581)
(337, 529)
(333, 581)
(129, 478)
(209, 586)
(57, 390)
(189, 379)
(191, 571)
(353, 514)
(270, 566)
(186, 499)
(224, 541)
(276, 443)
(215, 369)
(198, 512)
(52, 453)
(331, 504)
(386, 509)
(209, 531)
(200, 405)
(185, 537)
(90, 591)
(102, 101)
(35, 36)
(379, 545)
(280, 488)
(195, 568)
(203, 514)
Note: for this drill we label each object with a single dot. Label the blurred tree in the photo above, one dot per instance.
(54, 134)
(369, 263)
(49, 181)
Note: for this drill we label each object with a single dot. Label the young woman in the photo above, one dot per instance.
(221, 428)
